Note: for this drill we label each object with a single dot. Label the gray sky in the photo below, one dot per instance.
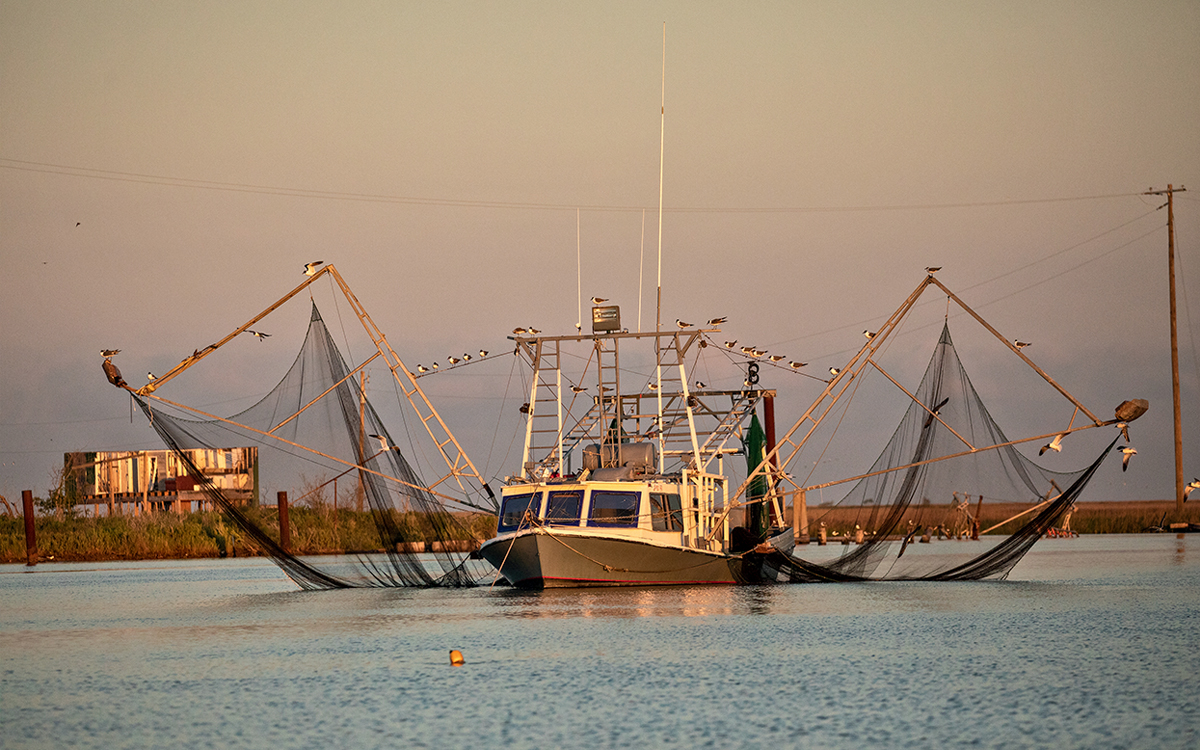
(166, 168)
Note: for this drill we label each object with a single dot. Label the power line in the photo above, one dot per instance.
(239, 187)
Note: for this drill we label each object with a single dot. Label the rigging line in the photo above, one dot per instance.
(338, 311)
(237, 187)
(500, 417)
(1187, 311)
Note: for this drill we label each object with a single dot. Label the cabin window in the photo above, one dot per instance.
(611, 508)
(512, 513)
(666, 514)
(563, 506)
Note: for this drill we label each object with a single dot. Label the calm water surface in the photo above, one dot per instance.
(1091, 643)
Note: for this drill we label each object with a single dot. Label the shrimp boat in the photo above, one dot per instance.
(626, 486)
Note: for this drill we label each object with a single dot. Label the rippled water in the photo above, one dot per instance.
(1090, 643)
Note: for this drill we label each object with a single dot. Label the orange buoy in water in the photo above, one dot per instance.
(456, 658)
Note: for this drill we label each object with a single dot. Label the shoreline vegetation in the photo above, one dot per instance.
(322, 531)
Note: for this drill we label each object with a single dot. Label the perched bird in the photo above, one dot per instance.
(776, 357)
(730, 344)
(109, 352)
(452, 360)
(1124, 428)
(533, 331)
(466, 357)
(653, 386)
(435, 365)
(310, 269)
(869, 334)
(700, 384)
(520, 331)
(579, 326)
(796, 365)
(681, 324)
(1054, 445)
(150, 377)
(1193, 485)
(483, 353)
(578, 388)
(1021, 344)
(598, 300)
(524, 408)
(759, 352)
(422, 368)
(717, 321)
(1129, 452)
(259, 334)
(834, 371)
(932, 269)
(383, 446)
(747, 349)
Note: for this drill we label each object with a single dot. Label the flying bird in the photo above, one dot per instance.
(932, 269)
(776, 357)
(796, 365)
(78, 223)
(1124, 428)
(717, 321)
(109, 352)
(681, 324)
(598, 300)
(1193, 485)
(259, 334)
(1021, 344)
(869, 334)
(483, 353)
(1129, 452)
(452, 360)
(1054, 445)
(936, 411)
(383, 446)
(310, 269)
(834, 371)
(730, 344)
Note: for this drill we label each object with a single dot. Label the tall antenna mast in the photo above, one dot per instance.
(662, 129)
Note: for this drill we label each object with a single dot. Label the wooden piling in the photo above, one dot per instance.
(30, 532)
(800, 517)
(285, 530)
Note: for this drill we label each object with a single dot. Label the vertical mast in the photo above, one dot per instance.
(662, 128)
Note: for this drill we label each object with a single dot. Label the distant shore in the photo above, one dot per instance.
(168, 536)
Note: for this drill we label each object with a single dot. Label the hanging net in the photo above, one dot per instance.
(895, 504)
(317, 422)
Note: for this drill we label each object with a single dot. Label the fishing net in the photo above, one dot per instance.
(317, 421)
(942, 464)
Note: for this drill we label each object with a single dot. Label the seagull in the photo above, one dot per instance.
(776, 357)
(533, 331)
(483, 353)
(109, 352)
(466, 357)
(259, 334)
(598, 300)
(681, 324)
(931, 270)
(1021, 344)
(834, 371)
(422, 368)
(1054, 445)
(796, 365)
(1129, 452)
(869, 335)
(383, 446)
(578, 388)
(759, 352)
(700, 384)
(746, 349)
(310, 269)
(520, 331)
(1193, 485)
(935, 412)
(717, 321)
(150, 377)
(1124, 428)
(452, 360)
(730, 344)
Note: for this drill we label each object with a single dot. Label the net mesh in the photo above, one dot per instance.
(422, 537)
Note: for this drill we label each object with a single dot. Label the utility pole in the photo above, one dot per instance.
(1170, 193)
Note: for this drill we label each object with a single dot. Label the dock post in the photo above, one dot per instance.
(30, 532)
(823, 537)
(285, 531)
(800, 517)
